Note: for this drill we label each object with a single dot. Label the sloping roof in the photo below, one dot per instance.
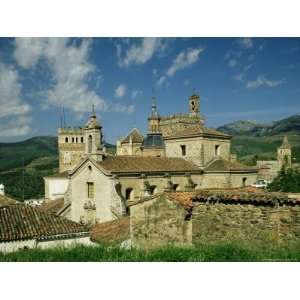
(240, 195)
(113, 231)
(21, 222)
(4, 201)
(135, 135)
(52, 206)
(136, 164)
(197, 130)
(64, 174)
(220, 164)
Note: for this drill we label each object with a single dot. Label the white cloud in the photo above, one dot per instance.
(238, 77)
(245, 43)
(183, 60)
(232, 63)
(187, 82)
(247, 67)
(262, 81)
(14, 113)
(70, 68)
(141, 52)
(161, 80)
(120, 91)
(155, 72)
(136, 93)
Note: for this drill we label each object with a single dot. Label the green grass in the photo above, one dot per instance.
(202, 253)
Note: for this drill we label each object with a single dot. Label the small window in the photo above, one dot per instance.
(153, 189)
(76, 140)
(72, 140)
(217, 150)
(176, 187)
(183, 150)
(90, 143)
(129, 194)
(66, 140)
(244, 181)
(81, 139)
(90, 190)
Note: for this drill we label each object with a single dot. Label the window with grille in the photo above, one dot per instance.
(90, 190)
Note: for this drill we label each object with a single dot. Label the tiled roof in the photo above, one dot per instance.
(52, 206)
(113, 231)
(4, 201)
(21, 222)
(136, 164)
(197, 130)
(242, 195)
(220, 164)
(64, 174)
(135, 135)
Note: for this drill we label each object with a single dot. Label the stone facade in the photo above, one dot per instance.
(71, 146)
(269, 169)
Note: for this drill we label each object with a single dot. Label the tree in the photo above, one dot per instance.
(287, 180)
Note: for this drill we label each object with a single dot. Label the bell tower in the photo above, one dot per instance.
(154, 118)
(284, 154)
(194, 102)
(94, 138)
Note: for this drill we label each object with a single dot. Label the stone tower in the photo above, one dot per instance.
(94, 138)
(71, 144)
(194, 102)
(284, 154)
(154, 118)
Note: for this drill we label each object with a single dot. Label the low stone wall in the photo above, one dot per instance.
(159, 222)
(257, 223)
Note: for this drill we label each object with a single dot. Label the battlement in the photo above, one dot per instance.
(71, 130)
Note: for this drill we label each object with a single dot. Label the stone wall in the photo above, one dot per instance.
(159, 222)
(199, 150)
(258, 224)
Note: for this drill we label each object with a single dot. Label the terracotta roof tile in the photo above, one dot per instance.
(220, 164)
(136, 164)
(21, 222)
(52, 206)
(197, 130)
(113, 231)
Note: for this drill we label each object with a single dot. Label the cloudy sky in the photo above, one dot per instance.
(237, 78)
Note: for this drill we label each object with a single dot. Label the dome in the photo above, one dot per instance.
(153, 140)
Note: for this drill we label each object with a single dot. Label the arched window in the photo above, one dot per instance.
(217, 150)
(72, 140)
(66, 140)
(244, 181)
(90, 143)
(81, 139)
(76, 139)
(129, 194)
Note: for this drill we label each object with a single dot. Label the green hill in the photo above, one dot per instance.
(252, 141)
(24, 164)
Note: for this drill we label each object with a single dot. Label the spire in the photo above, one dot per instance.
(93, 111)
(154, 113)
(285, 143)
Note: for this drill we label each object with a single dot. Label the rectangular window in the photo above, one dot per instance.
(90, 190)
(183, 150)
(217, 150)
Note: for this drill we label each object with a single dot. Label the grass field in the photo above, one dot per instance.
(201, 253)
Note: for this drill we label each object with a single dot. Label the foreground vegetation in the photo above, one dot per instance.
(201, 253)
(287, 180)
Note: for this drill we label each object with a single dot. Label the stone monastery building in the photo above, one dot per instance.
(178, 154)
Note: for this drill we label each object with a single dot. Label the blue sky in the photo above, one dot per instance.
(237, 78)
